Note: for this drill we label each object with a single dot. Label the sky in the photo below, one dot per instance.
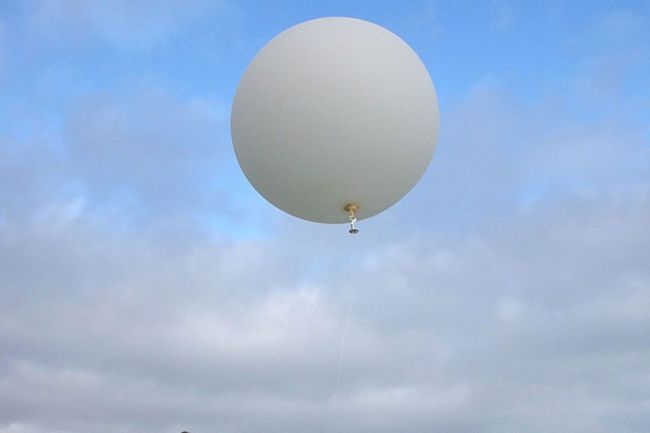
(146, 287)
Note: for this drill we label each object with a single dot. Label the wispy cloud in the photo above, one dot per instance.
(162, 153)
(123, 24)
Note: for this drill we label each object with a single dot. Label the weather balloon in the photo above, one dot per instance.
(335, 119)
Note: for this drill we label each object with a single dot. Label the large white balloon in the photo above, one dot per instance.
(331, 112)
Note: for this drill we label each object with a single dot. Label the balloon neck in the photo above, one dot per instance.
(352, 209)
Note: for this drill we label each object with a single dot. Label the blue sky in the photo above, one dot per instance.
(145, 286)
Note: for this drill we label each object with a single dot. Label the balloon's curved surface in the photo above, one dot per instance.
(334, 111)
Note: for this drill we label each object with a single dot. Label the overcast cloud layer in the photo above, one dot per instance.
(146, 287)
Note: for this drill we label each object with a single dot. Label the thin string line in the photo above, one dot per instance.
(340, 366)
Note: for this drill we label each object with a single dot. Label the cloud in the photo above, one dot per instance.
(614, 62)
(156, 153)
(534, 323)
(138, 153)
(507, 330)
(123, 24)
(29, 176)
(503, 16)
(497, 153)
(3, 53)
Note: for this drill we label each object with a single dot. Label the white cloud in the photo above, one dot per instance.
(124, 24)
(3, 53)
(613, 62)
(538, 325)
(146, 147)
(503, 16)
